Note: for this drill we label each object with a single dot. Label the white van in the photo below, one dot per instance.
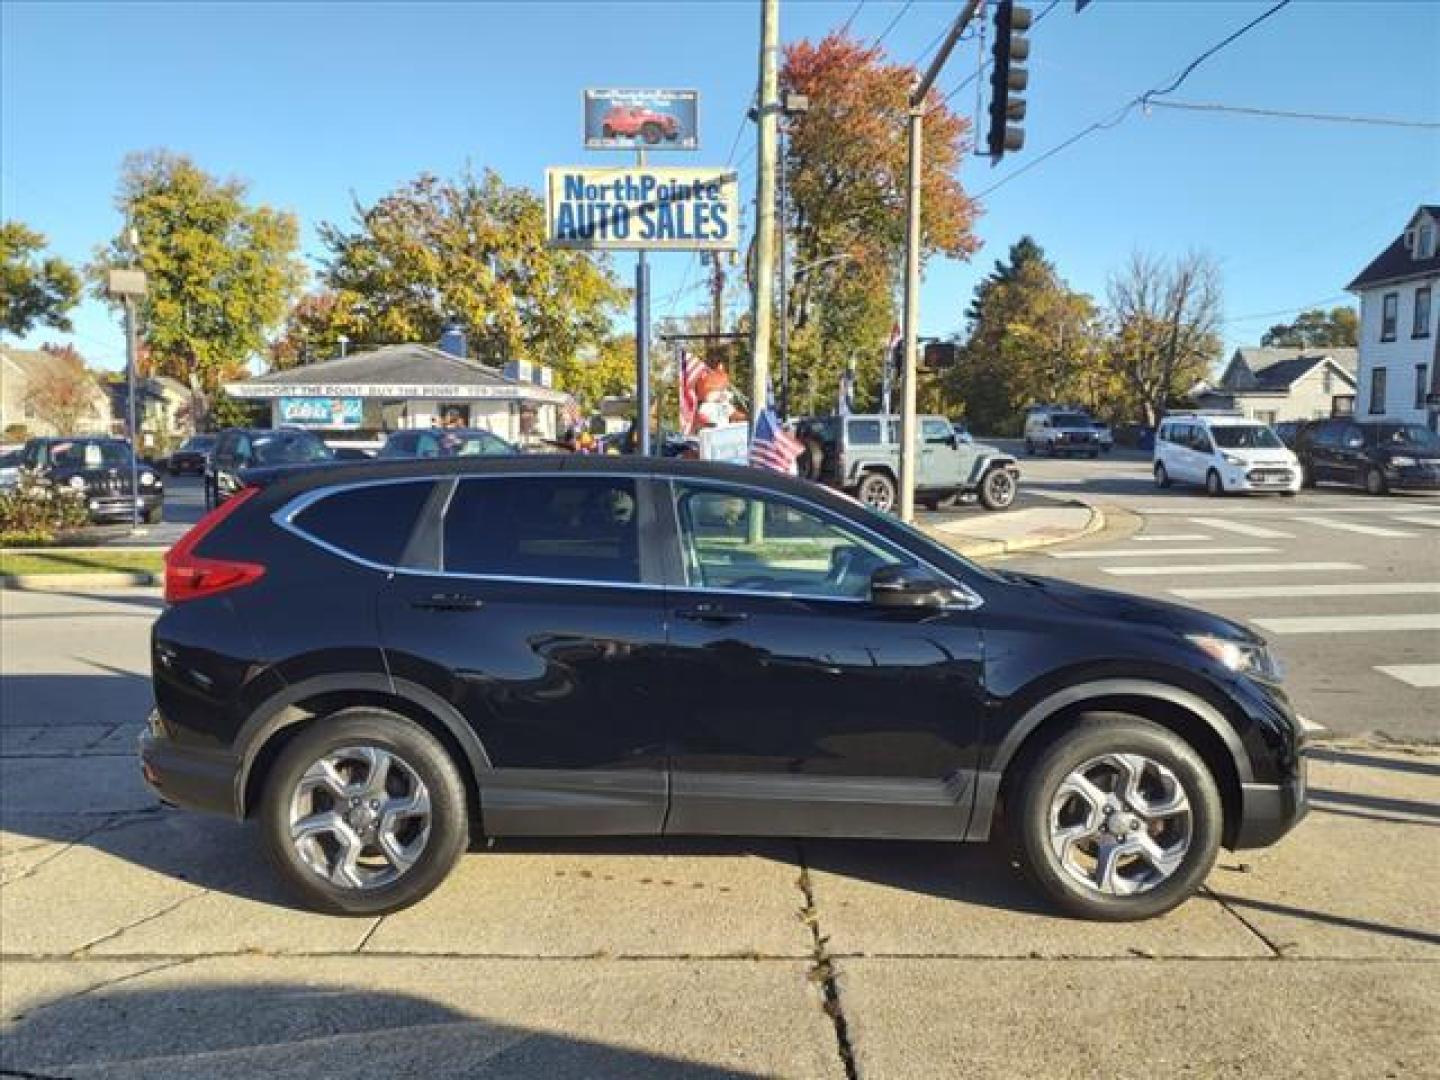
(1225, 453)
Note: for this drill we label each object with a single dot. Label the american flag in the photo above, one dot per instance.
(691, 368)
(773, 447)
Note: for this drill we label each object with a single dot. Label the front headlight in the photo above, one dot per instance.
(77, 482)
(147, 479)
(1231, 459)
(1401, 461)
(1241, 657)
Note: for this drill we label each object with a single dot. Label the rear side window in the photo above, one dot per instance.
(372, 523)
(580, 528)
(864, 432)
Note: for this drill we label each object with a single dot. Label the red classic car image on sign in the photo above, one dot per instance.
(641, 119)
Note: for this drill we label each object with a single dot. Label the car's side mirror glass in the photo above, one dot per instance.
(909, 586)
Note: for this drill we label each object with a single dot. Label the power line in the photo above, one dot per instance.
(1124, 110)
(1285, 311)
(1286, 114)
(846, 25)
(891, 26)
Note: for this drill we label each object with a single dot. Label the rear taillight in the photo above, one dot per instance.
(189, 576)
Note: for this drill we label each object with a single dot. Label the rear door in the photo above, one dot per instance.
(529, 604)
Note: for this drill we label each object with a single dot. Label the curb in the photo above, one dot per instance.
(104, 580)
(981, 549)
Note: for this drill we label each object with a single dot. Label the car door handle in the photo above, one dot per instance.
(447, 602)
(710, 613)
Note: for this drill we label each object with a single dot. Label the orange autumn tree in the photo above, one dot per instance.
(845, 168)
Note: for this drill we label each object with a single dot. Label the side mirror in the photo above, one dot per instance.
(909, 587)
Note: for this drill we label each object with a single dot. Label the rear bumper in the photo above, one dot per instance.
(188, 778)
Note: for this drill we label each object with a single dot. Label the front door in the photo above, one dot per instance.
(939, 458)
(541, 625)
(799, 708)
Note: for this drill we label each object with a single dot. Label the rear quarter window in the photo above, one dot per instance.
(864, 432)
(372, 523)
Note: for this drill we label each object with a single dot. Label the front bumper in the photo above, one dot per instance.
(109, 507)
(185, 777)
(1269, 811)
(1413, 478)
(1262, 478)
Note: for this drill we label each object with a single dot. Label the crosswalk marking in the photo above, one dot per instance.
(1424, 676)
(1154, 553)
(1348, 624)
(1160, 538)
(1273, 511)
(1350, 526)
(1334, 588)
(1215, 569)
(1242, 528)
(1431, 520)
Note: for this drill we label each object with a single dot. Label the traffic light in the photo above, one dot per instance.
(1008, 78)
(940, 355)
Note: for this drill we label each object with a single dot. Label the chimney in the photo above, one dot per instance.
(452, 339)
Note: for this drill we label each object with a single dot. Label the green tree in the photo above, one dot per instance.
(1030, 338)
(472, 249)
(221, 272)
(1339, 326)
(845, 166)
(36, 289)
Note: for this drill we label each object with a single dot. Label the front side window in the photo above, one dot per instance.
(576, 528)
(1422, 384)
(1377, 390)
(752, 542)
(937, 432)
(1389, 315)
(373, 523)
(1420, 323)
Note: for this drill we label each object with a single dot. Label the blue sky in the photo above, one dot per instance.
(313, 102)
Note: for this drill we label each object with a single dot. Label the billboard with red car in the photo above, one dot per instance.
(641, 120)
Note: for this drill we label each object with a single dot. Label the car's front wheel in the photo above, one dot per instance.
(1375, 482)
(997, 489)
(1162, 476)
(364, 813)
(1116, 819)
(1214, 486)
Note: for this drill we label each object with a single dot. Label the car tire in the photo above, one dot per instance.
(877, 490)
(1047, 799)
(1029, 448)
(155, 515)
(811, 460)
(1374, 482)
(1095, 453)
(1307, 475)
(1214, 486)
(1162, 477)
(434, 839)
(651, 133)
(998, 489)
(607, 132)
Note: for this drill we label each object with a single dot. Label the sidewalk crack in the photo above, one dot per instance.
(823, 970)
(1277, 952)
(83, 951)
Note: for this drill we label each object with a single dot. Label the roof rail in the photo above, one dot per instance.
(1180, 413)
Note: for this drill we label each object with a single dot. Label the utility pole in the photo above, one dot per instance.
(642, 343)
(794, 105)
(717, 304)
(764, 295)
(908, 424)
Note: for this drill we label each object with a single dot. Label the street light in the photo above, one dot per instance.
(128, 286)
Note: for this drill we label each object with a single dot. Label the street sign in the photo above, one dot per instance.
(639, 208)
(642, 120)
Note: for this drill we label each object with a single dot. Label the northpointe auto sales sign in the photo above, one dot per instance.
(625, 208)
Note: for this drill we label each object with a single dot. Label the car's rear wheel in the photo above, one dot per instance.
(997, 489)
(1214, 486)
(1094, 452)
(1116, 819)
(364, 813)
(650, 132)
(877, 491)
(1162, 477)
(1375, 482)
(607, 131)
(1029, 448)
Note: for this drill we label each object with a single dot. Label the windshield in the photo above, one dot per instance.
(473, 444)
(1070, 420)
(290, 448)
(89, 454)
(199, 442)
(1246, 437)
(1409, 434)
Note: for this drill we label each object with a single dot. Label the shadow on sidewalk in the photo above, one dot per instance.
(1417, 766)
(303, 1030)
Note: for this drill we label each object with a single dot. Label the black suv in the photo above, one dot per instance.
(1379, 456)
(238, 449)
(385, 662)
(103, 470)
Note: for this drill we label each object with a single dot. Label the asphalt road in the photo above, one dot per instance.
(1346, 586)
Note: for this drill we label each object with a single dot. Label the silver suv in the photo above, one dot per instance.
(860, 455)
(1054, 429)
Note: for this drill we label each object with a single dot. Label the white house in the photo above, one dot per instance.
(1399, 373)
(1270, 384)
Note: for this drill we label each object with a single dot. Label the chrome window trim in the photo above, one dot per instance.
(285, 515)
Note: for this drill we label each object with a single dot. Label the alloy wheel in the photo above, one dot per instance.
(360, 817)
(1121, 824)
(877, 493)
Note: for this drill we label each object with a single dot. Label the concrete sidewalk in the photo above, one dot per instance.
(980, 535)
(138, 941)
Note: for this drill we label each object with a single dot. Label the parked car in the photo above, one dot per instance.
(1105, 436)
(629, 121)
(103, 469)
(1288, 431)
(385, 663)
(10, 468)
(1140, 436)
(191, 455)
(860, 454)
(1225, 453)
(1054, 431)
(445, 442)
(1379, 456)
(237, 449)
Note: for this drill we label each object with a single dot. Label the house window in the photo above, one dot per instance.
(1422, 384)
(1425, 241)
(1327, 381)
(1377, 390)
(1389, 315)
(1420, 324)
